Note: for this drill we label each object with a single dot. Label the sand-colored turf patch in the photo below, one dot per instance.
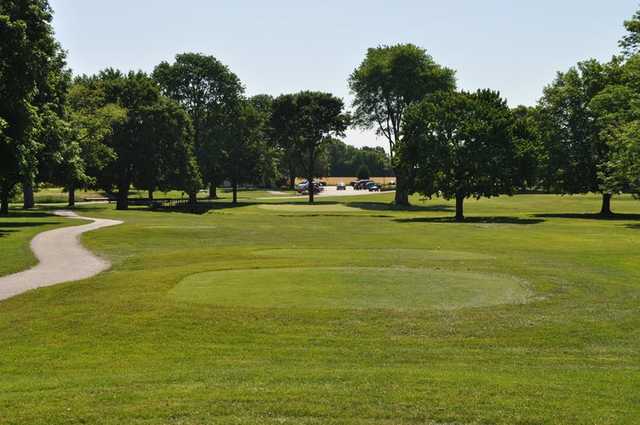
(351, 288)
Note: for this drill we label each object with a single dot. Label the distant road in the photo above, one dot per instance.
(330, 191)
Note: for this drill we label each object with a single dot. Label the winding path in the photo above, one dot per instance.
(61, 258)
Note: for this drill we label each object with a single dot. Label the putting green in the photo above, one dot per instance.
(351, 288)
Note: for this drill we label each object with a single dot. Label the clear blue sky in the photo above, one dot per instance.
(282, 46)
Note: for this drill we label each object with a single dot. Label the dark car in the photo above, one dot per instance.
(361, 184)
(373, 187)
(341, 186)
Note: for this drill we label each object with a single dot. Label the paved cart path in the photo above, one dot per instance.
(61, 258)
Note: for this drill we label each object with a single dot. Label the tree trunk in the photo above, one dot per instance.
(402, 189)
(292, 182)
(234, 186)
(150, 194)
(72, 197)
(4, 202)
(213, 193)
(312, 163)
(28, 199)
(606, 205)
(459, 208)
(122, 203)
(193, 197)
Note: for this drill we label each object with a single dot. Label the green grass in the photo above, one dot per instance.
(350, 312)
(367, 288)
(15, 233)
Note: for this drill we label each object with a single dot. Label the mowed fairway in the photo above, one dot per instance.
(349, 312)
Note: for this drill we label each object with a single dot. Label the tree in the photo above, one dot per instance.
(313, 119)
(166, 148)
(345, 160)
(617, 112)
(241, 148)
(153, 144)
(363, 172)
(267, 168)
(91, 120)
(630, 43)
(570, 132)
(285, 135)
(385, 84)
(209, 92)
(529, 150)
(29, 56)
(462, 146)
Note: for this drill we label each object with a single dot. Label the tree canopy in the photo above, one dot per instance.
(384, 85)
(462, 146)
(210, 93)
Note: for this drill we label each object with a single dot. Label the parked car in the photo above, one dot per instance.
(341, 186)
(303, 187)
(361, 184)
(373, 187)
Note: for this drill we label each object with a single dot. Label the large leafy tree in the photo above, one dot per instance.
(462, 146)
(569, 129)
(209, 92)
(617, 112)
(630, 43)
(385, 84)
(319, 118)
(166, 148)
(305, 122)
(153, 144)
(90, 120)
(267, 170)
(242, 146)
(30, 57)
(285, 135)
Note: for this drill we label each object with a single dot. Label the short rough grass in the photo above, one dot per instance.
(184, 330)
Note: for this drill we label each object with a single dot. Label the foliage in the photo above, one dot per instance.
(569, 129)
(385, 84)
(31, 63)
(318, 117)
(630, 43)
(363, 172)
(462, 146)
(617, 111)
(150, 135)
(345, 160)
(209, 92)
(242, 145)
(284, 134)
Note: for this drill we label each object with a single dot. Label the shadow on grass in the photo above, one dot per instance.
(12, 224)
(378, 206)
(588, 216)
(472, 220)
(11, 227)
(346, 215)
(26, 214)
(202, 207)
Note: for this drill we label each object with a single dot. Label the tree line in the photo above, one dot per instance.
(189, 125)
(582, 136)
